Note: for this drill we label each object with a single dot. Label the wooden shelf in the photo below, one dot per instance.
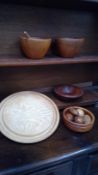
(6, 62)
(90, 97)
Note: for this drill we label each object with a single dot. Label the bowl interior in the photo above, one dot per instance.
(87, 112)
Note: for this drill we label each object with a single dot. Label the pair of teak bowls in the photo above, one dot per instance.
(37, 48)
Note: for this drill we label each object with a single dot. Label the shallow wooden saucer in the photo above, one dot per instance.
(68, 92)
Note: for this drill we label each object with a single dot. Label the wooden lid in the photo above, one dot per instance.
(28, 117)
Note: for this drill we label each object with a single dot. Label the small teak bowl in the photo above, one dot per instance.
(69, 47)
(77, 127)
(34, 47)
(68, 92)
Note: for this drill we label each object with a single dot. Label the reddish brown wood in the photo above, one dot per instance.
(16, 61)
(69, 47)
(34, 47)
(77, 127)
(68, 92)
(90, 97)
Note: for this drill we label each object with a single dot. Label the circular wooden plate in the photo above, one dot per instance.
(68, 92)
(28, 117)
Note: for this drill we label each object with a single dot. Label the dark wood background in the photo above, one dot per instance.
(26, 78)
(14, 19)
(45, 22)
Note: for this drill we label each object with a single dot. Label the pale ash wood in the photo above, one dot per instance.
(42, 112)
(16, 61)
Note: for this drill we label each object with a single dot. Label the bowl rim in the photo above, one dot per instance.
(70, 38)
(78, 124)
(36, 38)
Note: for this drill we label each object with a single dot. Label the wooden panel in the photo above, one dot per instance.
(25, 78)
(14, 19)
(93, 163)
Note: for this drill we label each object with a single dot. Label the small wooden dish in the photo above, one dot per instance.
(69, 47)
(68, 92)
(76, 126)
(34, 47)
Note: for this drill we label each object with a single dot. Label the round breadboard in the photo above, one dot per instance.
(28, 117)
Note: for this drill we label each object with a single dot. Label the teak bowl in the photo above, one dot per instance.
(69, 47)
(76, 126)
(68, 92)
(34, 47)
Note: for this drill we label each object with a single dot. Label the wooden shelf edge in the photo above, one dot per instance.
(7, 62)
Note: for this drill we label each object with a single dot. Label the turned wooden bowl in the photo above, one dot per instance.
(68, 92)
(69, 47)
(34, 47)
(77, 127)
